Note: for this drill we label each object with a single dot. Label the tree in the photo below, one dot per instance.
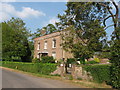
(37, 33)
(0, 41)
(15, 43)
(114, 44)
(50, 28)
(82, 20)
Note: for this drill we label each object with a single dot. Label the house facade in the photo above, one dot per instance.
(50, 45)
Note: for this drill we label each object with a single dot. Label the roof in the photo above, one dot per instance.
(51, 34)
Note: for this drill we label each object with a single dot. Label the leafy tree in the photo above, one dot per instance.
(114, 44)
(50, 28)
(83, 31)
(37, 33)
(0, 41)
(15, 43)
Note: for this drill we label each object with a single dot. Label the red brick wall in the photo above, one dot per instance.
(60, 53)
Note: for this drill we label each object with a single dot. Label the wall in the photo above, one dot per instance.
(60, 53)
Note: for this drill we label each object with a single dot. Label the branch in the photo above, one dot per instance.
(117, 11)
(108, 8)
(109, 26)
(115, 7)
(106, 19)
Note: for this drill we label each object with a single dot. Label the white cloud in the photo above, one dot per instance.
(53, 20)
(34, 0)
(28, 12)
(9, 10)
(8, 0)
(3, 16)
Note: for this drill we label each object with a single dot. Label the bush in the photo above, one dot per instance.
(36, 60)
(100, 73)
(47, 59)
(97, 60)
(71, 60)
(41, 68)
(115, 60)
(91, 62)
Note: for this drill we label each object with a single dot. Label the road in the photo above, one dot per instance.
(13, 79)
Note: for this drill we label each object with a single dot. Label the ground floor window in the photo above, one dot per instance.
(54, 54)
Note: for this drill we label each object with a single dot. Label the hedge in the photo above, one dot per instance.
(100, 72)
(41, 68)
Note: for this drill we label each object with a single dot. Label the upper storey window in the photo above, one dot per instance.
(54, 43)
(45, 45)
(38, 46)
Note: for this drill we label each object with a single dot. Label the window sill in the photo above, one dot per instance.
(53, 47)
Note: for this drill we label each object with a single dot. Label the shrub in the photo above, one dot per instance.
(41, 68)
(47, 59)
(91, 62)
(100, 73)
(36, 60)
(60, 62)
(71, 60)
(97, 60)
(115, 60)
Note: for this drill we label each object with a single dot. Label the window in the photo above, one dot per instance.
(54, 43)
(38, 55)
(38, 47)
(45, 45)
(54, 55)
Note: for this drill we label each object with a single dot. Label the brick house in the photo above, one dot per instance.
(50, 45)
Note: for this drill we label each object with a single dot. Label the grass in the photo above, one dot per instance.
(81, 83)
(91, 84)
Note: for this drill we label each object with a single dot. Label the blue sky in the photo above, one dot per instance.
(36, 14)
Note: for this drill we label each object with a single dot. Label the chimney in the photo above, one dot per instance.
(43, 32)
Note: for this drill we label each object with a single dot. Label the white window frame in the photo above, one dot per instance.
(38, 56)
(54, 43)
(54, 55)
(45, 45)
(38, 46)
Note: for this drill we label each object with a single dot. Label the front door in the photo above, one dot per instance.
(44, 54)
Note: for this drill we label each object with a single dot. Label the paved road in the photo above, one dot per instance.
(12, 79)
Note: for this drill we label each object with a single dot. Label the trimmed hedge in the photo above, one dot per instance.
(100, 72)
(47, 59)
(41, 68)
(91, 62)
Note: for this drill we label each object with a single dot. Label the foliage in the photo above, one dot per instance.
(91, 62)
(40, 68)
(15, 43)
(97, 60)
(115, 60)
(100, 73)
(114, 43)
(36, 60)
(47, 59)
(59, 62)
(50, 28)
(71, 60)
(83, 33)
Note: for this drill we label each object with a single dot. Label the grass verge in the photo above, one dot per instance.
(80, 83)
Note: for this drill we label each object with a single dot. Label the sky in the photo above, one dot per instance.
(35, 14)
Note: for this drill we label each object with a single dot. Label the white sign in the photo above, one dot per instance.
(61, 65)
